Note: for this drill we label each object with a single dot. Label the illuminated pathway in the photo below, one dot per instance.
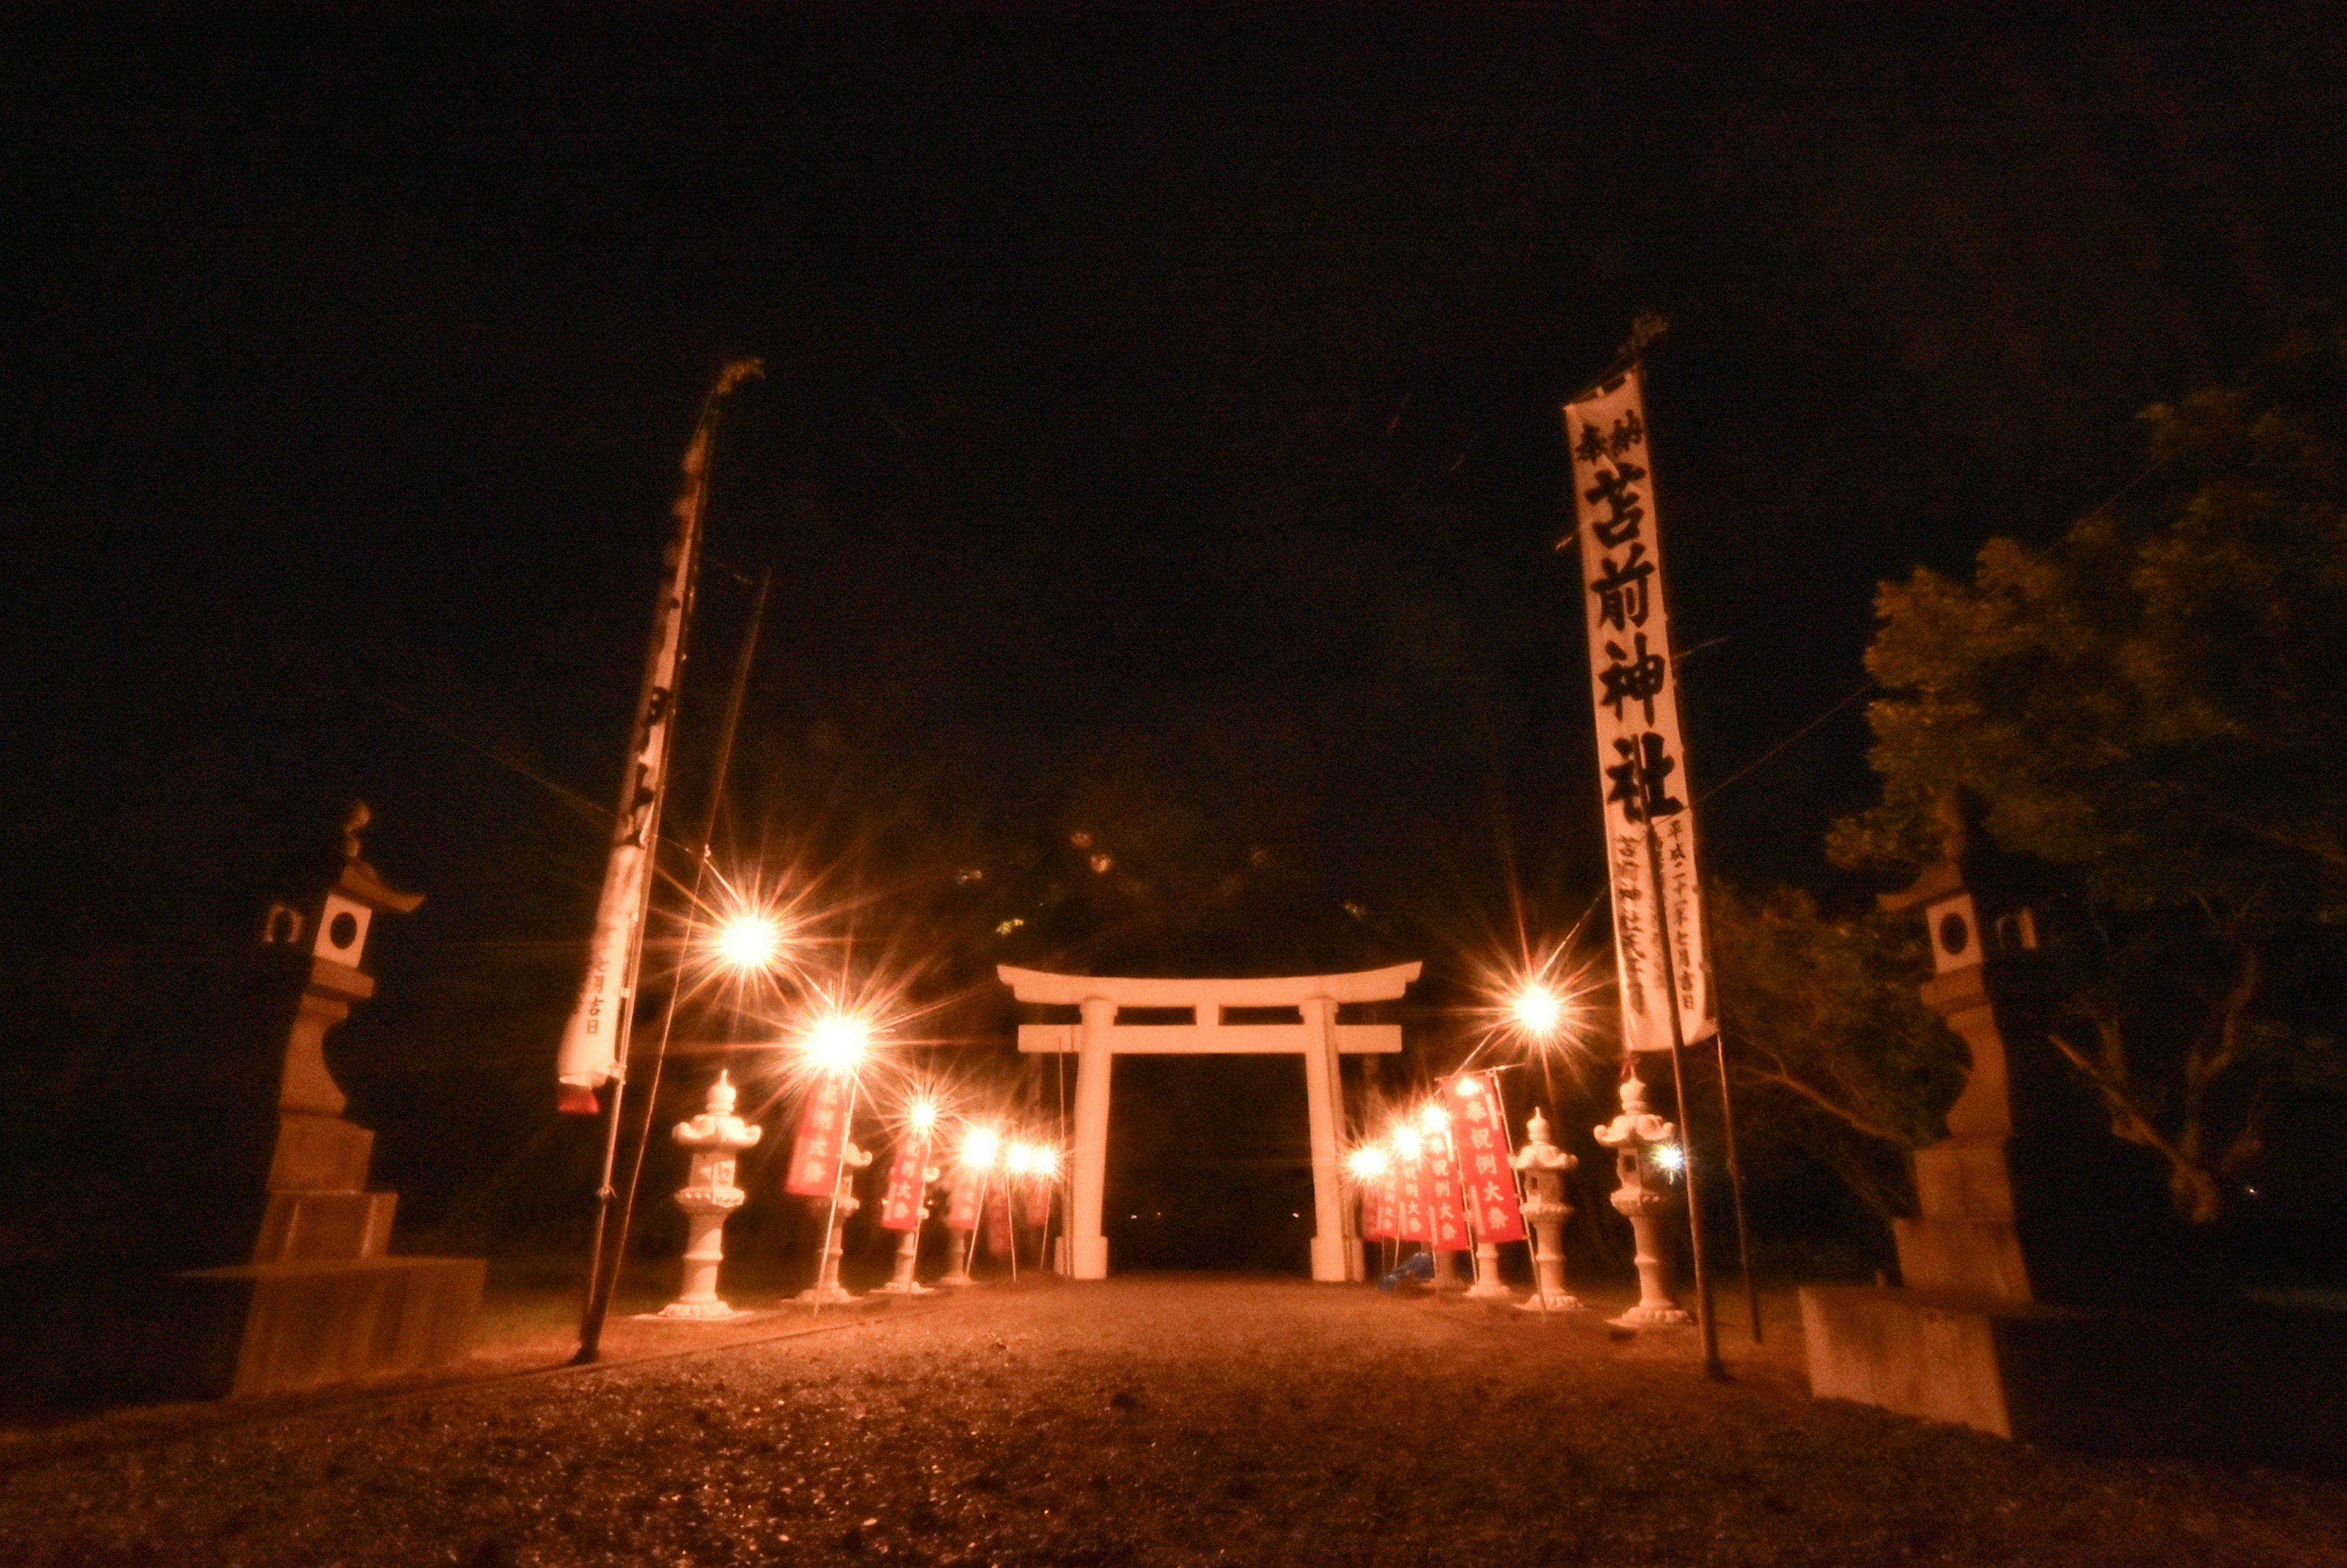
(1150, 1420)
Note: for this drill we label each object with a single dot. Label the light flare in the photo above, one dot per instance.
(749, 943)
(1537, 1010)
(1368, 1163)
(837, 1042)
(979, 1149)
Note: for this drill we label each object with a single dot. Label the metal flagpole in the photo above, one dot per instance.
(1508, 1153)
(590, 1333)
(846, 1133)
(985, 1179)
(1735, 1186)
(1707, 1325)
(643, 793)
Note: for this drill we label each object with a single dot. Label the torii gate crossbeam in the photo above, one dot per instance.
(1318, 1038)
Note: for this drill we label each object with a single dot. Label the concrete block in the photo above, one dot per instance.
(2236, 1384)
(1964, 1177)
(1970, 1256)
(320, 1154)
(313, 1324)
(320, 1227)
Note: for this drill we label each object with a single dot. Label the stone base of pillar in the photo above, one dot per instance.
(1644, 1316)
(1092, 1259)
(957, 1274)
(697, 1311)
(1552, 1301)
(827, 1295)
(905, 1288)
(1332, 1259)
(1487, 1285)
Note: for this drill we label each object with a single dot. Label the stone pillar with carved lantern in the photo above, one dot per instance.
(1643, 1198)
(2048, 1292)
(715, 1138)
(826, 1290)
(1544, 1165)
(323, 1299)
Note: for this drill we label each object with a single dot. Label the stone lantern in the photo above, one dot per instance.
(1642, 1198)
(324, 1300)
(908, 1247)
(1544, 1165)
(962, 1242)
(716, 1138)
(826, 1290)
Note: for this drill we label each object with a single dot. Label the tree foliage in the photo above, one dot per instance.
(1826, 1031)
(2157, 702)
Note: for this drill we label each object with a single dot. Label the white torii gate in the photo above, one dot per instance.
(1320, 1039)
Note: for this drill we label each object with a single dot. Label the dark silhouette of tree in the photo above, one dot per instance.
(2157, 704)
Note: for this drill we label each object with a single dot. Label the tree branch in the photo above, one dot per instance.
(1858, 1122)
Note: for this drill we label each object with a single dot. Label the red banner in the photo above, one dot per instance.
(1381, 1214)
(1483, 1161)
(1416, 1196)
(998, 1223)
(901, 1209)
(1443, 1213)
(1039, 1205)
(961, 1214)
(822, 1134)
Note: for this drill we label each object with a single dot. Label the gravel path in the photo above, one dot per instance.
(1147, 1421)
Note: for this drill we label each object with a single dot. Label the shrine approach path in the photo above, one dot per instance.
(1145, 1420)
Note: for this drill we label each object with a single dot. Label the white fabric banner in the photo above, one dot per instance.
(590, 1052)
(1641, 760)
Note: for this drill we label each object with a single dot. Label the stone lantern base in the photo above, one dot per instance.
(698, 1311)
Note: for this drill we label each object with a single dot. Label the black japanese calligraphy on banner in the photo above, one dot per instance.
(1641, 757)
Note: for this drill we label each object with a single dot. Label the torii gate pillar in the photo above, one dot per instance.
(1087, 1243)
(1316, 1035)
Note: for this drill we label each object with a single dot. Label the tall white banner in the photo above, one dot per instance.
(1641, 760)
(591, 1053)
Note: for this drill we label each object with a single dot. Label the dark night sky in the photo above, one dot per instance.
(1159, 438)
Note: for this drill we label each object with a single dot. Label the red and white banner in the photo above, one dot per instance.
(1491, 1181)
(900, 1210)
(1444, 1214)
(823, 1136)
(1039, 1204)
(1641, 756)
(961, 1214)
(1380, 1212)
(1416, 1194)
(998, 1223)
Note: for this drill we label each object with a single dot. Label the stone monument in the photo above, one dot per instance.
(716, 1138)
(322, 1301)
(2048, 1292)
